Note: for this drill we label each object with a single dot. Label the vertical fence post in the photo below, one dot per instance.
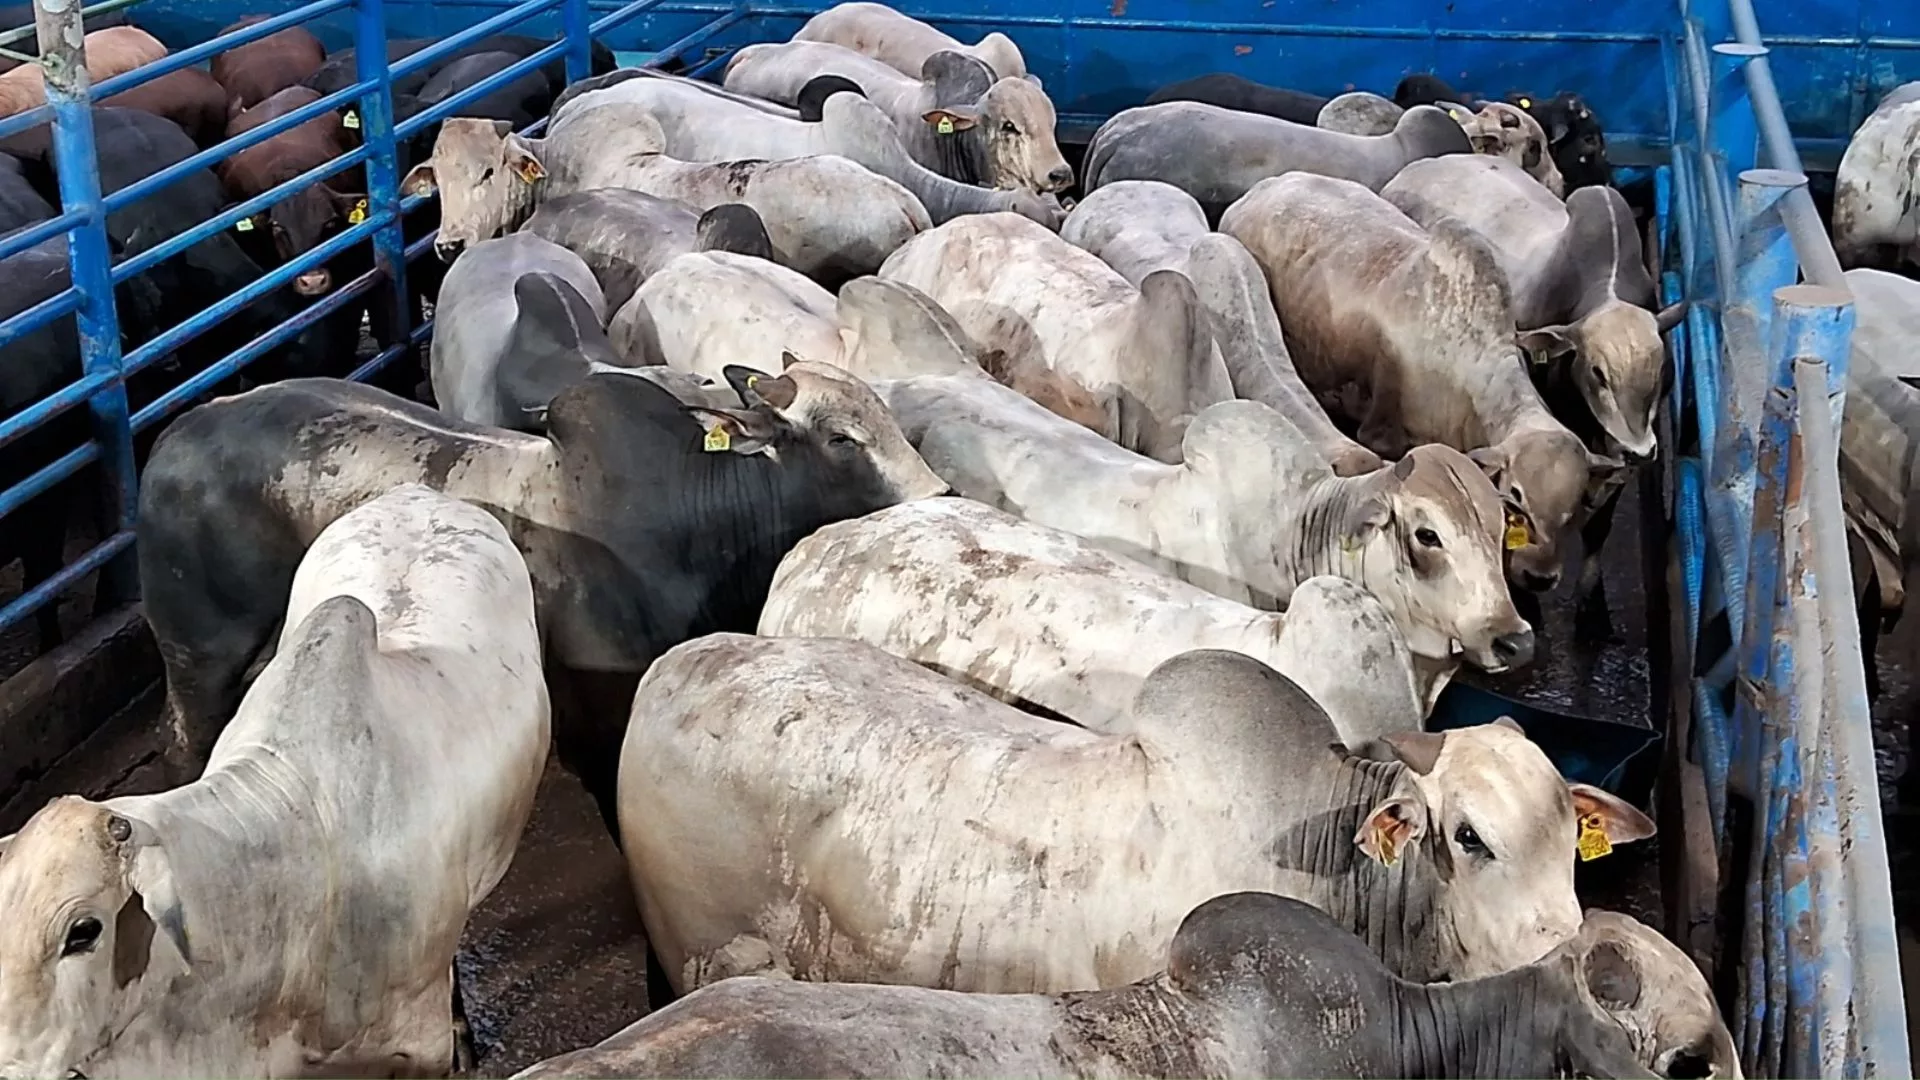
(576, 21)
(1736, 134)
(383, 179)
(63, 58)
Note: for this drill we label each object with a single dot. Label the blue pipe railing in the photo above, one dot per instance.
(104, 368)
(1780, 720)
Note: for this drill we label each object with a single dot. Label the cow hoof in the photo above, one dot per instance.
(465, 1062)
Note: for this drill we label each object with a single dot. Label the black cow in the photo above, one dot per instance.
(339, 72)
(1574, 135)
(1233, 92)
(21, 203)
(644, 522)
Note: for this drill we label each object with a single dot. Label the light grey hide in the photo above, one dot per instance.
(1216, 155)
(1360, 113)
(1880, 434)
(823, 214)
(623, 236)
(1251, 981)
(700, 126)
(1506, 131)
(1035, 616)
(817, 808)
(479, 322)
(903, 42)
(1252, 512)
(1876, 191)
(1579, 281)
(295, 910)
(1417, 325)
(953, 115)
(1139, 226)
(1145, 353)
(705, 311)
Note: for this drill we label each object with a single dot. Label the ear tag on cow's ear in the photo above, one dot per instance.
(1383, 842)
(1526, 103)
(1518, 535)
(358, 214)
(1593, 838)
(245, 224)
(351, 121)
(945, 126)
(717, 440)
(751, 380)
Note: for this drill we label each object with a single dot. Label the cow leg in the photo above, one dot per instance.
(1867, 613)
(590, 710)
(40, 561)
(1592, 618)
(465, 1061)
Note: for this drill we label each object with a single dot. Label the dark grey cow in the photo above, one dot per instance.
(625, 237)
(1216, 155)
(1256, 985)
(644, 522)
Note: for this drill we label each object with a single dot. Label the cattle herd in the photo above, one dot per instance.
(998, 629)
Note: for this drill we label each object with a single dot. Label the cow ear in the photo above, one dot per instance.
(503, 128)
(1670, 316)
(1611, 976)
(1492, 461)
(1601, 467)
(1545, 343)
(756, 390)
(420, 181)
(150, 876)
(1390, 829)
(1364, 517)
(1417, 750)
(524, 160)
(1619, 821)
(948, 121)
(741, 431)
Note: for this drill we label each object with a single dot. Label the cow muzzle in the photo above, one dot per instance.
(313, 283)
(449, 250)
(1514, 650)
(1060, 179)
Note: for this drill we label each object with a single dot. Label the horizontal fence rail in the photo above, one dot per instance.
(1780, 726)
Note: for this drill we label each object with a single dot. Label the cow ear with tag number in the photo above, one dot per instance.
(741, 431)
(1393, 826)
(1545, 344)
(756, 389)
(948, 121)
(1605, 821)
(524, 159)
(420, 181)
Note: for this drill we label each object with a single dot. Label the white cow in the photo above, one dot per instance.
(818, 808)
(1876, 190)
(954, 116)
(295, 910)
(1145, 353)
(905, 42)
(1417, 324)
(1251, 513)
(1140, 226)
(1040, 617)
(701, 125)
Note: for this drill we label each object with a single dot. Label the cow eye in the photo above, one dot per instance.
(82, 936)
(840, 440)
(1007, 128)
(487, 174)
(1427, 537)
(1469, 840)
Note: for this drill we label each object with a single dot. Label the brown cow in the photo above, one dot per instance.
(188, 97)
(256, 71)
(113, 51)
(301, 221)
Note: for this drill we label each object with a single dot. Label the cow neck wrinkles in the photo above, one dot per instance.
(1501, 1025)
(1380, 905)
(745, 507)
(1310, 541)
(523, 198)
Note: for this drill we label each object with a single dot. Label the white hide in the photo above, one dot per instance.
(1876, 190)
(904, 42)
(1034, 615)
(301, 902)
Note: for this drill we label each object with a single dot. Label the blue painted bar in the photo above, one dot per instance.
(207, 50)
(71, 396)
(620, 16)
(453, 43)
(38, 315)
(1736, 132)
(38, 233)
(377, 139)
(426, 118)
(576, 26)
(70, 575)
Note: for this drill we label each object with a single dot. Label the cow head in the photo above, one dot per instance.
(818, 413)
(1007, 122)
(1542, 475)
(1489, 831)
(302, 221)
(1634, 977)
(1617, 361)
(93, 924)
(485, 175)
(1502, 130)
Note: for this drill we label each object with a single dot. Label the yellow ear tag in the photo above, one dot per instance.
(358, 214)
(1383, 843)
(752, 379)
(945, 126)
(1518, 535)
(717, 440)
(1593, 838)
(1526, 103)
(351, 121)
(245, 224)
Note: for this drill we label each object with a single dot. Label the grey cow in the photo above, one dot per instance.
(1256, 985)
(626, 236)
(955, 117)
(1216, 155)
(1410, 332)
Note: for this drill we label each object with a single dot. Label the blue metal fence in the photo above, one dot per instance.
(104, 371)
(1780, 720)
